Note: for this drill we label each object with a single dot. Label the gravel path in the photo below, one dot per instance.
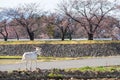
(105, 61)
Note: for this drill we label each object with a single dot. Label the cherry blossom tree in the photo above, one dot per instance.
(27, 17)
(89, 13)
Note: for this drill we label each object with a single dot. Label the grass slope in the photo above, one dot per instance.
(58, 42)
(100, 68)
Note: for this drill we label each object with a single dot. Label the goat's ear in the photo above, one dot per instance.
(38, 47)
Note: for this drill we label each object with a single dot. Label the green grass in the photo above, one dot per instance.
(58, 42)
(10, 57)
(100, 68)
(39, 57)
(55, 75)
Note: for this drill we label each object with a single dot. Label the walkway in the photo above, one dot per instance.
(105, 61)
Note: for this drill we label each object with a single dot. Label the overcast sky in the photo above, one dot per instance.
(45, 4)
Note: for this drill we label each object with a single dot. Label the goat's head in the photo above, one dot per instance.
(38, 50)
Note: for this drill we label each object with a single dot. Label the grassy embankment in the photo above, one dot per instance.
(59, 42)
(100, 68)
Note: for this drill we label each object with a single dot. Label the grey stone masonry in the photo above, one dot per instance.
(64, 50)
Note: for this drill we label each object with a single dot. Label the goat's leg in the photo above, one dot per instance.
(31, 65)
(36, 64)
(21, 63)
(26, 65)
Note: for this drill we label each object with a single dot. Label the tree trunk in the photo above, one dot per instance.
(5, 38)
(16, 33)
(31, 36)
(70, 36)
(63, 37)
(90, 36)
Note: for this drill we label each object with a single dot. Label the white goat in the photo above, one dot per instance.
(31, 56)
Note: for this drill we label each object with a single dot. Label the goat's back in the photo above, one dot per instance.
(29, 56)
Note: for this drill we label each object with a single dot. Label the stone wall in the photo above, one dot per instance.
(64, 50)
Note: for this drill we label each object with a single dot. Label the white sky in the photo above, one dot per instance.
(45, 4)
